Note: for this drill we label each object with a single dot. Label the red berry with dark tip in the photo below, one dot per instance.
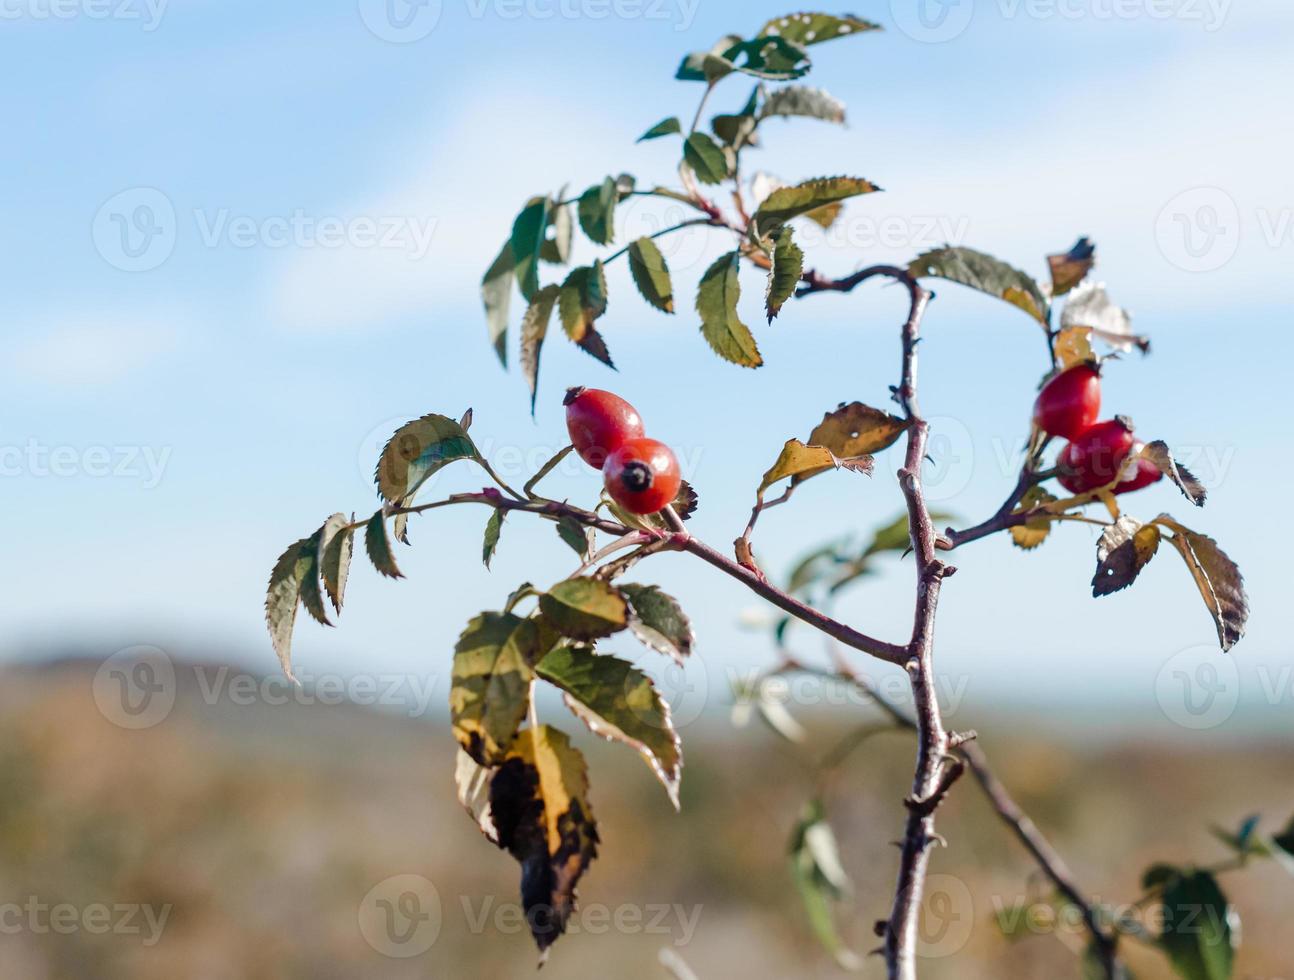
(599, 423)
(642, 476)
(1094, 458)
(1145, 474)
(1068, 404)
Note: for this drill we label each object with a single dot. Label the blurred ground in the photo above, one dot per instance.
(268, 841)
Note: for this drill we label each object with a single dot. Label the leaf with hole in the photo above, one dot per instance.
(1125, 548)
(815, 28)
(618, 702)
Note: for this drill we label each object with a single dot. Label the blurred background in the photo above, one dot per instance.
(243, 243)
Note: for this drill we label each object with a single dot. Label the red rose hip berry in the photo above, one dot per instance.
(1068, 404)
(599, 423)
(642, 476)
(1095, 458)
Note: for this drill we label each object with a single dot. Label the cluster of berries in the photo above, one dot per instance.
(640, 474)
(1097, 452)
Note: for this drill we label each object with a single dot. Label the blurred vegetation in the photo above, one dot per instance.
(264, 828)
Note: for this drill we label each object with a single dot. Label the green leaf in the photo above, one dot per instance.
(706, 159)
(529, 232)
(544, 470)
(1285, 839)
(557, 249)
(772, 57)
(708, 66)
(311, 586)
(659, 622)
(574, 534)
(416, 451)
(651, 274)
(988, 275)
(539, 804)
(816, 28)
(788, 264)
(493, 529)
(496, 294)
(1125, 548)
(585, 608)
(337, 545)
(490, 693)
(1070, 268)
(619, 702)
(283, 595)
(378, 546)
(819, 878)
(583, 298)
(663, 128)
(786, 203)
(716, 301)
(1217, 577)
(534, 328)
(801, 100)
(1200, 928)
(597, 211)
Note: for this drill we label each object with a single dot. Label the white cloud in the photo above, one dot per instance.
(93, 348)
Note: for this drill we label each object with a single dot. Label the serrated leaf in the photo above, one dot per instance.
(597, 211)
(540, 807)
(716, 302)
(1032, 533)
(574, 534)
(815, 868)
(825, 216)
(687, 501)
(1125, 548)
(856, 429)
(416, 451)
(1200, 928)
(1088, 305)
(705, 158)
(1070, 268)
(659, 622)
(663, 128)
(529, 231)
(1074, 347)
(651, 274)
(583, 298)
(311, 585)
(585, 608)
(557, 249)
(544, 470)
(472, 782)
(801, 100)
(1217, 577)
(813, 28)
(282, 596)
(337, 546)
(1186, 481)
(618, 702)
(987, 274)
(790, 202)
(788, 264)
(496, 294)
(490, 693)
(400, 524)
(493, 530)
(800, 461)
(534, 328)
(378, 546)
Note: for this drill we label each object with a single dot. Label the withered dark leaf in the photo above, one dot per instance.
(1125, 548)
(1159, 454)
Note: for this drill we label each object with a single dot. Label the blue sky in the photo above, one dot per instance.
(168, 429)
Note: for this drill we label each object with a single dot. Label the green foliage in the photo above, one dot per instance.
(583, 298)
(585, 608)
(1200, 928)
(534, 328)
(496, 294)
(493, 529)
(705, 158)
(716, 301)
(378, 546)
(665, 127)
(597, 211)
(651, 274)
(283, 596)
(658, 621)
(809, 29)
(528, 235)
(821, 880)
(416, 451)
(788, 264)
(790, 202)
(336, 547)
(988, 275)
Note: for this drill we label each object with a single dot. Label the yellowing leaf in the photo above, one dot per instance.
(790, 202)
(539, 806)
(1125, 548)
(337, 545)
(716, 302)
(856, 429)
(618, 702)
(1217, 577)
(1070, 268)
(985, 273)
(583, 298)
(1074, 347)
(1032, 533)
(585, 608)
(799, 460)
(283, 595)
